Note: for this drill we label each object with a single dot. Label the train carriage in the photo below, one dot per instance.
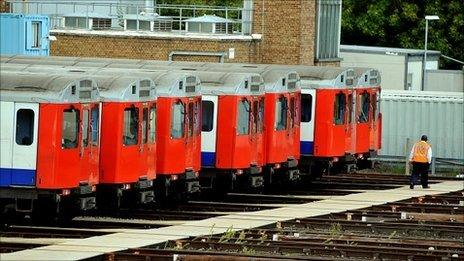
(369, 119)
(50, 143)
(128, 147)
(232, 128)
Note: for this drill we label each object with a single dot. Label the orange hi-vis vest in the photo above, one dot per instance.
(420, 152)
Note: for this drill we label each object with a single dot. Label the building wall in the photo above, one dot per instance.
(391, 67)
(445, 80)
(287, 29)
(410, 114)
(87, 45)
(4, 6)
(415, 75)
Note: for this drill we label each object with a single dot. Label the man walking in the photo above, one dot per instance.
(420, 157)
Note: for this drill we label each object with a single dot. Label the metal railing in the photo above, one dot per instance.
(58, 10)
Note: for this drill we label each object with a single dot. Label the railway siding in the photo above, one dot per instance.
(132, 239)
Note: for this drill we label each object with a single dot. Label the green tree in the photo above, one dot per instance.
(400, 23)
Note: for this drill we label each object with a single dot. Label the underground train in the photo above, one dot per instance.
(319, 110)
(49, 143)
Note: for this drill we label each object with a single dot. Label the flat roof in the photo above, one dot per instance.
(386, 50)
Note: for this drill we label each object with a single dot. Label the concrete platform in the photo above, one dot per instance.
(91, 247)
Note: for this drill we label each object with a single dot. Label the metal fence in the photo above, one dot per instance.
(115, 10)
(409, 114)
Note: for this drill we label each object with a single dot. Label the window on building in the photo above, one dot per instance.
(152, 125)
(207, 115)
(24, 127)
(339, 109)
(36, 34)
(85, 128)
(281, 114)
(243, 119)
(328, 29)
(306, 107)
(131, 126)
(70, 129)
(178, 120)
(102, 23)
(364, 106)
(95, 122)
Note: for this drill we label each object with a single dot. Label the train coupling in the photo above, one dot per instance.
(192, 183)
(87, 203)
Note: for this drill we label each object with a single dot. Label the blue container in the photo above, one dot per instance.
(24, 34)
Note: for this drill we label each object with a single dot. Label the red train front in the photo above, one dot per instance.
(128, 148)
(178, 133)
(232, 129)
(53, 135)
(282, 124)
(368, 117)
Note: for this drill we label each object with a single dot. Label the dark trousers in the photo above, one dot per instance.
(422, 169)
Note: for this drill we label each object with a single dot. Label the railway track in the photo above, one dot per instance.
(428, 227)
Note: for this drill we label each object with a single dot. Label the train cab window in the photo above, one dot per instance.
(350, 108)
(145, 125)
(339, 109)
(293, 119)
(191, 118)
(94, 123)
(85, 128)
(255, 113)
(306, 107)
(207, 115)
(131, 126)
(70, 128)
(261, 116)
(152, 125)
(243, 119)
(364, 107)
(281, 114)
(24, 127)
(197, 119)
(374, 104)
(178, 120)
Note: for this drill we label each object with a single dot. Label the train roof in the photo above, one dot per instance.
(220, 83)
(367, 77)
(166, 82)
(47, 88)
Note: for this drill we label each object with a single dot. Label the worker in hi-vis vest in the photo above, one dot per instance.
(420, 157)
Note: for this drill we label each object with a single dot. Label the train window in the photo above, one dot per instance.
(178, 120)
(85, 128)
(255, 114)
(94, 123)
(144, 125)
(24, 127)
(306, 107)
(197, 119)
(207, 115)
(350, 108)
(281, 114)
(261, 116)
(374, 106)
(292, 112)
(243, 119)
(70, 129)
(131, 126)
(191, 118)
(364, 107)
(339, 109)
(377, 113)
(152, 125)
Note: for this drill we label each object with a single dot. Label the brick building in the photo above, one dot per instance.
(272, 31)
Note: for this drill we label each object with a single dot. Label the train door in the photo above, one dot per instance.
(364, 125)
(88, 150)
(255, 137)
(209, 105)
(192, 130)
(308, 106)
(144, 150)
(24, 146)
(243, 136)
(375, 122)
(350, 139)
